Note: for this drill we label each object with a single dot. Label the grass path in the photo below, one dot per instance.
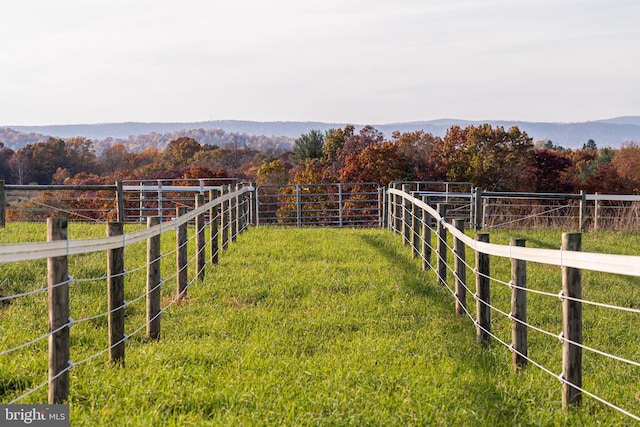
(316, 327)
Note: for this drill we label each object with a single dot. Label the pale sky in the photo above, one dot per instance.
(345, 61)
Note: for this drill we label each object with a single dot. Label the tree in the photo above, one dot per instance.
(606, 180)
(309, 146)
(417, 147)
(43, 159)
(377, 163)
(626, 164)
(312, 172)
(115, 158)
(204, 172)
(494, 159)
(549, 145)
(5, 157)
(80, 155)
(20, 165)
(272, 173)
(550, 172)
(590, 145)
(354, 145)
(334, 141)
(180, 151)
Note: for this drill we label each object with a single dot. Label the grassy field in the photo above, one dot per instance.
(321, 327)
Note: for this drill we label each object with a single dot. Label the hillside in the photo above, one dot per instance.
(610, 132)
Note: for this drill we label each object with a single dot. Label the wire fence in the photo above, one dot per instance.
(230, 209)
(217, 222)
(427, 232)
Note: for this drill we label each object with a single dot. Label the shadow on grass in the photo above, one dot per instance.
(411, 275)
(478, 358)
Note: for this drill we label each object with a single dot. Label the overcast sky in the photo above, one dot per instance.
(346, 61)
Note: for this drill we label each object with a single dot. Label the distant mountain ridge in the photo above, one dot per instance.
(609, 132)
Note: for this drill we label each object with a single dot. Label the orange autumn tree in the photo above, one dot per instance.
(377, 163)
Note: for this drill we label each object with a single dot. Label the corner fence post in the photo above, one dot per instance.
(426, 236)
(181, 256)
(153, 281)
(519, 309)
(213, 227)
(3, 205)
(200, 242)
(571, 326)
(483, 290)
(58, 298)
(406, 212)
(442, 244)
(120, 202)
(477, 209)
(460, 270)
(115, 296)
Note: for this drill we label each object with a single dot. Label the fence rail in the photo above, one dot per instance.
(414, 219)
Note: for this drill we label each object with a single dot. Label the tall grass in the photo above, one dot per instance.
(319, 327)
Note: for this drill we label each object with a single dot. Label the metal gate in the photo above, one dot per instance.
(320, 205)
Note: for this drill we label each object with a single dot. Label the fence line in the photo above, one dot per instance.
(567, 260)
(60, 250)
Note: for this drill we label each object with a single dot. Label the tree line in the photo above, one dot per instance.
(494, 158)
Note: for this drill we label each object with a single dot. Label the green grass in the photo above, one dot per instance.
(321, 327)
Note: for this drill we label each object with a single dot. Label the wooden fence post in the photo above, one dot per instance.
(460, 270)
(200, 242)
(426, 236)
(478, 211)
(3, 205)
(115, 297)
(519, 309)
(224, 218)
(153, 281)
(181, 256)
(571, 326)
(483, 290)
(58, 296)
(213, 227)
(120, 202)
(415, 230)
(406, 211)
(442, 244)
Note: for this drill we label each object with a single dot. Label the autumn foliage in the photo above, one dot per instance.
(491, 157)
